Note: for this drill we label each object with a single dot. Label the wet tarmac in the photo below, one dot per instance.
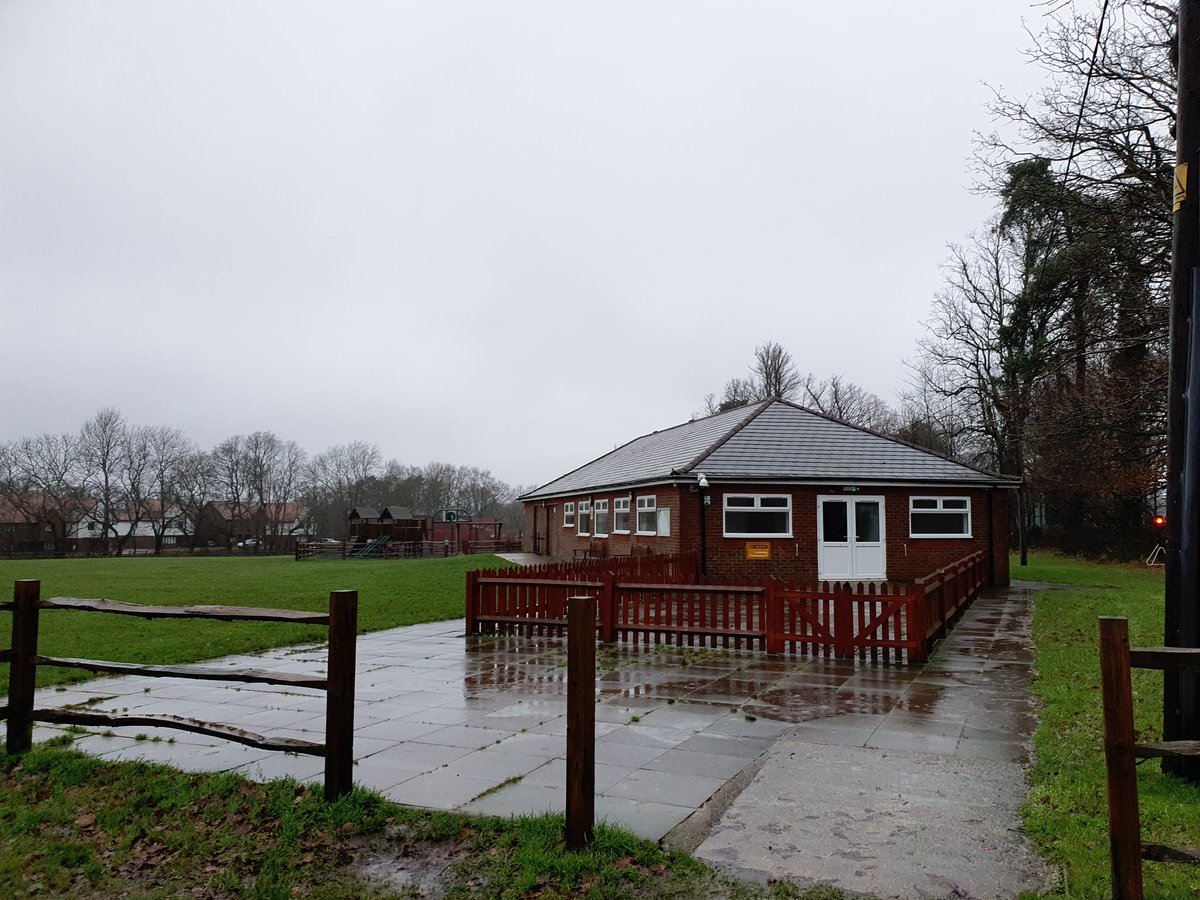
(478, 724)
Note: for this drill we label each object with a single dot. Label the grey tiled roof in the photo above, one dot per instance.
(770, 440)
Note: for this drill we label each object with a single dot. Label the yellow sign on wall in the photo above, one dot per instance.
(758, 549)
(1180, 186)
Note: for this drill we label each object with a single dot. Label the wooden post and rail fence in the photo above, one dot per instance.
(342, 621)
(1122, 751)
(880, 620)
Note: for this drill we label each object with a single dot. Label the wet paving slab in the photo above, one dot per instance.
(478, 724)
(899, 785)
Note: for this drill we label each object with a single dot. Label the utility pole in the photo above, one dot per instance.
(1181, 699)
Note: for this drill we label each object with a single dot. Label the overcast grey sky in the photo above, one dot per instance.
(503, 234)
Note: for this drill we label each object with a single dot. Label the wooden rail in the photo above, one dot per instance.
(400, 549)
(342, 621)
(1121, 752)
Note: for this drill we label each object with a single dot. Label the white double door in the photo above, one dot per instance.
(850, 542)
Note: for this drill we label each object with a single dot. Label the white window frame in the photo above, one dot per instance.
(569, 515)
(620, 505)
(585, 509)
(647, 505)
(756, 507)
(600, 506)
(940, 509)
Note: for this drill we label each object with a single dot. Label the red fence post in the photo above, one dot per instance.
(940, 594)
(918, 624)
(581, 721)
(773, 603)
(843, 621)
(22, 677)
(472, 600)
(339, 694)
(608, 601)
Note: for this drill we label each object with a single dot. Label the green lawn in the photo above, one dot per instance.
(1067, 808)
(77, 826)
(390, 593)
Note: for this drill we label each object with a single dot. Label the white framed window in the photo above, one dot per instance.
(647, 518)
(168, 539)
(585, 517)
(600, 518)
(758, 515)
(569, 515)
(944, 517)
(621, 515)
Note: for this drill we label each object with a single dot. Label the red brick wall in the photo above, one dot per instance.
(564, 541)
(794, 558)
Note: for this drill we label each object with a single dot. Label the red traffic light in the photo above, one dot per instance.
(1160, 521)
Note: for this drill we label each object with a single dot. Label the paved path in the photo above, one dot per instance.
(477, 724)
(903, 789)
(889, 780)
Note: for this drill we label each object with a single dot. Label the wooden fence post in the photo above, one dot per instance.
(22, 678)
(339, 695)
(843, 621)
(608, 604)
(773, 615)
(940, 594)
(472, 600)
(918, 623)
(581, 721)
(1124, 819)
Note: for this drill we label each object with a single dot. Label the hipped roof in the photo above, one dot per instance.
(770, 441)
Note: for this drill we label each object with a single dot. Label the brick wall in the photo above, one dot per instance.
(564, 541)
(794, 558)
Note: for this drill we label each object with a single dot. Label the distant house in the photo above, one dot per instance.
(777, 489)
(40, 523)
(132, 533)
(22, 531)
(277, 525)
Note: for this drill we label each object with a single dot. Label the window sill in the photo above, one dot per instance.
(759, 537)
(940, 537)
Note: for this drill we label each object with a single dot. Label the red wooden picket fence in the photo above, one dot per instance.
(877, 620)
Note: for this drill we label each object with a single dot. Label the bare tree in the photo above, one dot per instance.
(847, 401)
(42, 477)
(772, 374)
(103, 448)
(337, 481)
(136, 484)
(231, 480)
(194, 482)
(168, 451)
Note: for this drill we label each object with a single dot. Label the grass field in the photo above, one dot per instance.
(1065, 814)
(1067, 808)
(390, 593)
